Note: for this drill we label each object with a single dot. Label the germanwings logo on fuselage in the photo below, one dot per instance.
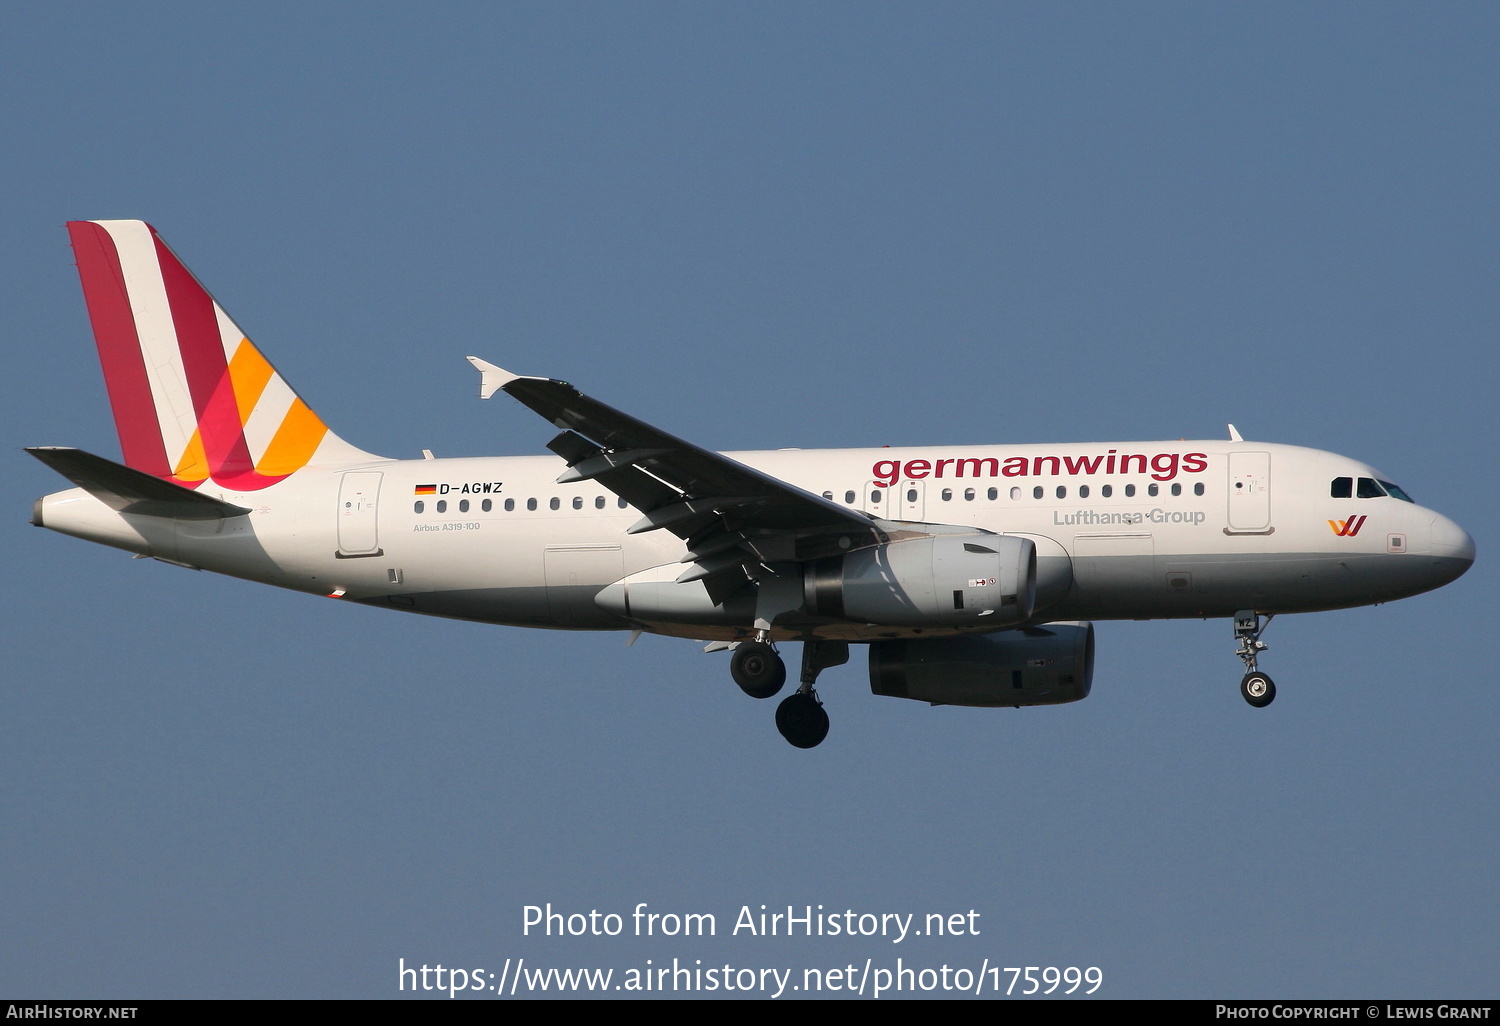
(1162, 466)
(1347, 528)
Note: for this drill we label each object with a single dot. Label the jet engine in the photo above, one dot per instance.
(1036, 666)
(983, 580)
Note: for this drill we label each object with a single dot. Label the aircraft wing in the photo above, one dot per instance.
(730, 515)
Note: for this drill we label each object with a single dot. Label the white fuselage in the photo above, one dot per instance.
(1122, 531)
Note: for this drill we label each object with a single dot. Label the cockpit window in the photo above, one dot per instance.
(1397, 493)
(1343, 488)
(1369, 488)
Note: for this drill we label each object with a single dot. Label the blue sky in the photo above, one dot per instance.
(758, 225)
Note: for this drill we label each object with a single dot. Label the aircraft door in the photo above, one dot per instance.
(877, 498)
(1250, 492)
(912, 498)
(359, 494)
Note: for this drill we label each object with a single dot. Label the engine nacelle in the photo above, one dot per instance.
(982, 580)
(1039, 666)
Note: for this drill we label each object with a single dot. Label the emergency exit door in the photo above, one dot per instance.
(359, 495)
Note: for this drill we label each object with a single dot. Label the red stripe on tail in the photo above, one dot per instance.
(207, 371)
(204, 366)
(119, 348)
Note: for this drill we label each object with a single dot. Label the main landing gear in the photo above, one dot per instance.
(757, 669)
(760, 673)
(1255, 687)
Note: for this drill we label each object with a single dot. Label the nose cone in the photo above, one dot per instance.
(1451, 547)
(1451, 541)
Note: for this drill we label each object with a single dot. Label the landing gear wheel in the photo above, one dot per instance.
(801, 720)
(1258, 689)
(757, 669)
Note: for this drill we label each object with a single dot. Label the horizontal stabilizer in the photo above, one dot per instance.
(133, 491)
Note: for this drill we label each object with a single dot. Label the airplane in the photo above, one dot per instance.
(973, 574)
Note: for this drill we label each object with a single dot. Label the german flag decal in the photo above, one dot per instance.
(426, 489)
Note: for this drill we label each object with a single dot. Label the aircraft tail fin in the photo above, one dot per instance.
(193, 398)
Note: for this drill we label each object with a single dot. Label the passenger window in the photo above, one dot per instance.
(418, 506)
(486, 505)
(510, 504)
(875, 496)
(598, 502)
(911, 495)
(1130, 491)
(621, 502)
(1062, 491)
(531, 504)
(1342, 488)
(1369, 489)
(1083, 491)
(1038, 492)
(1176, 489)
(994, 494)
(849, 497)
(1153, 490)
(554, 502)
(968, 495)
(1015, 493)
(947, 495)
(1107, 490)
(463, 505)
(578, 502)
(442, 506)
(1198, 488)
(828, 496)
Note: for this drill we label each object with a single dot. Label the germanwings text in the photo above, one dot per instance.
(1162, 466)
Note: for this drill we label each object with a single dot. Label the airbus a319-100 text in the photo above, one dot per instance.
(972, 574)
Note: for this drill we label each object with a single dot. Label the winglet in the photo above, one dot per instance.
(1234, 434)
(491, 378)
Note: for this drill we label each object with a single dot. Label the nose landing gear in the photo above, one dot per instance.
(1255, 687)
(1258, 689)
